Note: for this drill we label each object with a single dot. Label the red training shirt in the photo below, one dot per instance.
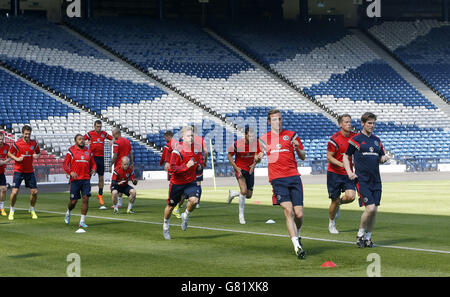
(281, 153)
(338, 144)
(80, 161)
(97, 142)
(25, 149)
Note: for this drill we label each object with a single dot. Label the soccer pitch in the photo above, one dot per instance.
(412, 235)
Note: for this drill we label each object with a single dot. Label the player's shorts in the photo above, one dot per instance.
(30, 180)
(176, 191)
(369, 193)
(338, 183)
(2, 180)
(80, 188)
(100, 161)
(199, 174)
(287, 189)
(249, 179)
(121, 189)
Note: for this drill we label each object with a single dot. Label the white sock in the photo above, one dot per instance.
(12, 208)
(187, 213)
(130, 206)
(2, 205)
(361, 232)
(31, 208)
(332, 222)
(120, 201)
(299, 233)
(241, 204)
(368, 236)
(69, 212)
(166, 224)
(83, 218)
(295, 243)
(235, 194)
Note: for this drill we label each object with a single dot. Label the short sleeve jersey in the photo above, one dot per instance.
(366, 152)
(25, 149)
(281, 153)
(338, 144)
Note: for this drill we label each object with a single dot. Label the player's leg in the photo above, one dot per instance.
(114, 198)
(175, 192)
(296, 196)
(17, 181)
(193, 191)
(242, 196)
(233, 194)
(100, 162)
(75, 194)
(334, 193)
(176, 210)
(33, 198)
(132, 194)
(291, 225)
(2, 194)
(85, 193)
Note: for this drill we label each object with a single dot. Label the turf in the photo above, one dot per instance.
(412, 215)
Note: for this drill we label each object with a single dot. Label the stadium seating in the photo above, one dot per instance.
(190, 60)
(345, 76)
(423, 46)
(55, 58)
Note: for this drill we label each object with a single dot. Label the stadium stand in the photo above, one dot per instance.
(58, 61)
(191, 61)
(344, 75)
(423, 46)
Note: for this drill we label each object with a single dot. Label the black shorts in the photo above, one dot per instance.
(337, 184)
(249, 179)
(30, 180)
(2, 180)
(287, 189)
(100, 161)
(80, 188)
(369, 193)
(121, 189)
(176, 191)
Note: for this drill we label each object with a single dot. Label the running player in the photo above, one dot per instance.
(200, 145)
(4, 159)
(183, 166)
(165, 160)
(23, 152)
(337, 179)
(96, 141)
(280, 146)
(368, 152)
(80, 165)
(119, 184)
(121, 148)
(247, 154)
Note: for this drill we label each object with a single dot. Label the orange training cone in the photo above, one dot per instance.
(328, 264)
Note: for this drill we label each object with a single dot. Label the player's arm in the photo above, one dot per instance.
(37, 152)
(383, 157)
(12, 152)
(298, 146)
(333, 160)
(205, 149)
(5, 161)
(236, 168)
(92, 165)
(133, 179)
(115, 154)
(110, 138)
(67, 165)
(176, 165)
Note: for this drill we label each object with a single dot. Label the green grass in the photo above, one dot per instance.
(412, 215)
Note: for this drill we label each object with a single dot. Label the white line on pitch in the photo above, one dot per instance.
(247, 232)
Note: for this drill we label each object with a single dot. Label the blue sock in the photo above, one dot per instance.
(100, 191)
